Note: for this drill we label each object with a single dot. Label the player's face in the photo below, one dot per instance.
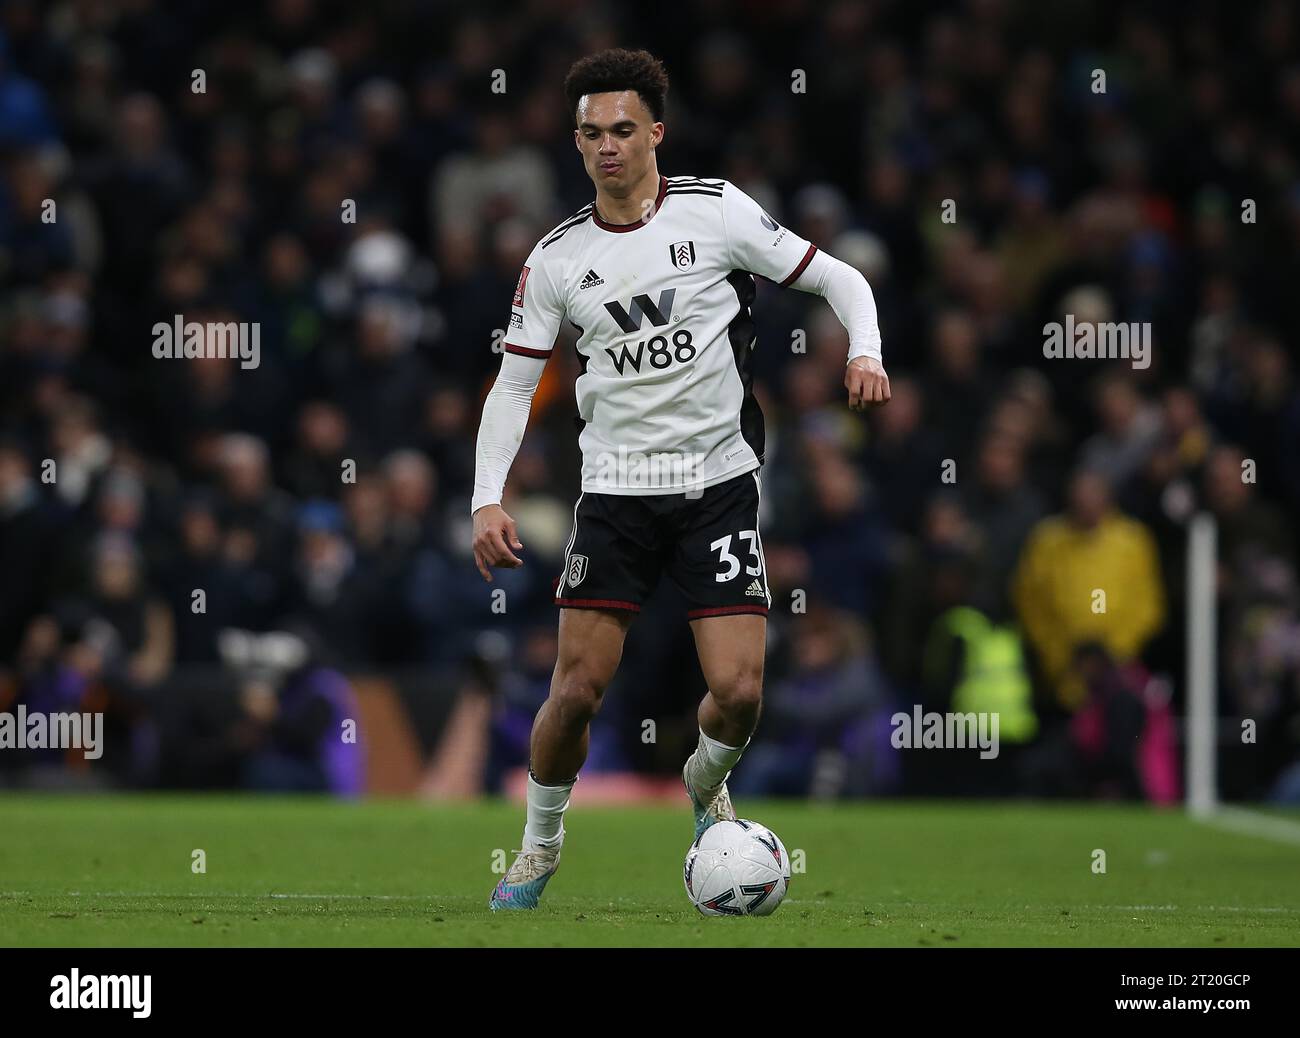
(617, 136)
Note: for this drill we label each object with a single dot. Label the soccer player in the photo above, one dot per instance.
(655, 275)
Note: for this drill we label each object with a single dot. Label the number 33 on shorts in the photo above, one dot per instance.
(709, 545)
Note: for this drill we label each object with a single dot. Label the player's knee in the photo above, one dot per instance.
(577, 696)
(741, 697)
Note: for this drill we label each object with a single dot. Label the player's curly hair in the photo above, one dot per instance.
(618, 69)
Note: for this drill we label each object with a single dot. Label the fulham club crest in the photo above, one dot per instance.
(683, 254)
(577, 569)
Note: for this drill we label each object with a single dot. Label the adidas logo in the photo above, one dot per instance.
(591, 280)
(756, 590)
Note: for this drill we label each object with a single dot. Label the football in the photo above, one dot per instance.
(737, 868)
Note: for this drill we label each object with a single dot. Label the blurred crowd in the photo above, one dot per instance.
(204, 159)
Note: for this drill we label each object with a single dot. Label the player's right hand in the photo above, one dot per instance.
(494, 536)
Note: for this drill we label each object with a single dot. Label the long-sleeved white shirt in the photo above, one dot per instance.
(665, 402)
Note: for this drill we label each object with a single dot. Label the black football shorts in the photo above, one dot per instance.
(708, 544)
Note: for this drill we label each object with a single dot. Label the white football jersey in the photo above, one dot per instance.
(662, 308)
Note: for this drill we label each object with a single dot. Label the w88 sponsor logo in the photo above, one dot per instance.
(656, 352)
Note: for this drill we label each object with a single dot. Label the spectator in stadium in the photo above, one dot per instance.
(31, 536)
(314, 466)
(957, 385)
(500, 177)
(846, 542)
(382, 385)
(25, 117)
(81, 451)
(199, 564)
(35, 245)
(972, 663)
(325, 591)
(1261, 686)
(905, 456)
(922, 588)
(1005, 507)
(308, 737)
(288, 309)
(250, 502)
(1089, 574)
(273, 718)
(104, 649)
(1120, 743)
(138, 190)
(1130, 432)
(1248, 526)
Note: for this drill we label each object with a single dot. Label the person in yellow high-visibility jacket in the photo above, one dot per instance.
(1091, 574)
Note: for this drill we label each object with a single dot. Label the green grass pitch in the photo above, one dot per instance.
(116, 871)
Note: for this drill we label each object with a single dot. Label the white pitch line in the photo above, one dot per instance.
(1190, 908)
(1084, 908)
(358, 897)
(242, 894)
(1253, 823)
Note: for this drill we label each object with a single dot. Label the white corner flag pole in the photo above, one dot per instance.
(1202, 664)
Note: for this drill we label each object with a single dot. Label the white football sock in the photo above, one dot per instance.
(712, 762)
(546, 805)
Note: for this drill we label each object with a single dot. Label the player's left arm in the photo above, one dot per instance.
(849, 295)
(759, 244)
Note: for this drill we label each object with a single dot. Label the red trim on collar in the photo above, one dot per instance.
(621, 228)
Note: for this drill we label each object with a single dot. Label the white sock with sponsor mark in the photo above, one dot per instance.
(546, 806)
(711, 763)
